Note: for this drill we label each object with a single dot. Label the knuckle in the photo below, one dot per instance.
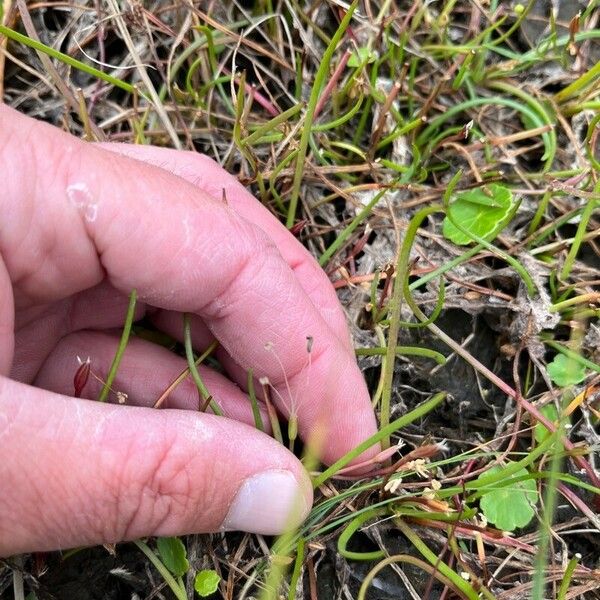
(256, 255)
(152, 489)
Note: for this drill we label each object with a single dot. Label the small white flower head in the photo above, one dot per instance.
(393, 485)
(419, 466)
(431, 492)
(468, 128)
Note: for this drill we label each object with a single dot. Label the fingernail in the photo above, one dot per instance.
(270, 503)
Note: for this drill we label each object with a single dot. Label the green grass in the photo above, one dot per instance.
(371, 152)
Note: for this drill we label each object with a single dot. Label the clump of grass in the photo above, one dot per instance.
(360, 127)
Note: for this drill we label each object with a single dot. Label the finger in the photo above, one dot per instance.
(210, 177)
(38, 329)
(169, 245)
(145, 372)
(77, 473)
(170, 323)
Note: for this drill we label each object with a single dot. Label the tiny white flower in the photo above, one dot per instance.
(393, 485)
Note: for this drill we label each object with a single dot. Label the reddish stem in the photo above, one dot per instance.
(257, 96)
(332, 83)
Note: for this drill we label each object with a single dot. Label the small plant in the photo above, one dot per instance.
(206, 582)
(483, 212)
(509, 503)
(564, 372)
(294, 404)
(172, 563)
(173, 555)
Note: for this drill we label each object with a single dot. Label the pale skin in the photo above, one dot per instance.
(82, 226)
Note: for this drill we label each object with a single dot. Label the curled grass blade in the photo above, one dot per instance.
(431, 557)
(410, 560)
(402, 272)
(439, 358)
(526, 111)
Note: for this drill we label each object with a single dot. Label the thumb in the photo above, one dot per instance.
(75, 472)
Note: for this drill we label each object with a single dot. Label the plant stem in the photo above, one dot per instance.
(258, 422)
(297, 569)
(189, 353)
(395, 303)
(112, 373)
(347, 232)
(179, 592)
(418, 412)
(65, 58)
(320, 76)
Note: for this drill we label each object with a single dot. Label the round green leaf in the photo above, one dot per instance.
(360, 56)
(481, 211)
(507, 503)
(565, 371)
(206, 582)
(173, 555)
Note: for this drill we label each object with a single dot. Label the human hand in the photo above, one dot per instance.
(82, 226)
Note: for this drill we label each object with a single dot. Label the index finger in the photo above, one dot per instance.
(78, 212)
(207, 175)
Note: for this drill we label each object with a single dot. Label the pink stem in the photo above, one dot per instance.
(258, 97)
(532, 410)
(332, 83)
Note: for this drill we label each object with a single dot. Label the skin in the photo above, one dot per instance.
(83, 225)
